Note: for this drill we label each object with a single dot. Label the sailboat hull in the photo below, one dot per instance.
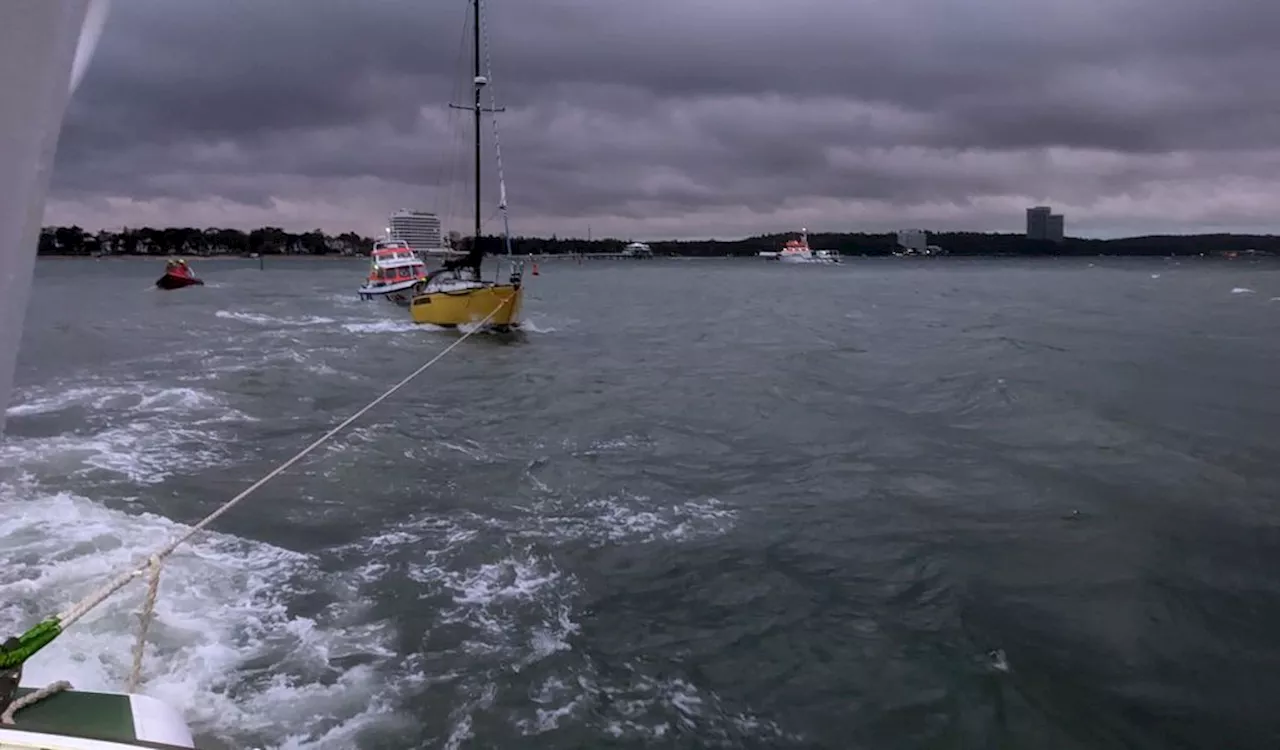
(469, 304)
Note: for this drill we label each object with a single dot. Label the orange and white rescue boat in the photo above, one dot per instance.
(396, 270)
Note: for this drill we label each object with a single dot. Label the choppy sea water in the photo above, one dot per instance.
(937, 503)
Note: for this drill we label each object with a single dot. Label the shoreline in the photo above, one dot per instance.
(200, 258)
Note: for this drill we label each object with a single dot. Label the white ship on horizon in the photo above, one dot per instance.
(798, 251)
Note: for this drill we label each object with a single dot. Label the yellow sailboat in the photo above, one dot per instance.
(455, 294)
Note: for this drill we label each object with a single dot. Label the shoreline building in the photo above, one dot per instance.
(913, 241)
(420, 229)
(1043, 224)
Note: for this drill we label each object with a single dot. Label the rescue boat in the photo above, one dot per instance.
(177, 274)
(396, 269)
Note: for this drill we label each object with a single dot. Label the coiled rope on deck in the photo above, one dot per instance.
(16, 651)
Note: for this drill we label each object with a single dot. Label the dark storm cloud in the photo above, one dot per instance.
(679, 114)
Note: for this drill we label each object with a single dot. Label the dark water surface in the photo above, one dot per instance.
(951, 503)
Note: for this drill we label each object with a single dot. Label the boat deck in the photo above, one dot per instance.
(76, 717)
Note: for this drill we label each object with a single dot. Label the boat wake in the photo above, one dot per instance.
(383, 326)
(256, 644)
(426, 623)
(128, 432)
(231, 647)
(253, 642)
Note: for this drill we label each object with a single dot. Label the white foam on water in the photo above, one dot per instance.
(233, 651)
(494, 600)
(138, 452)
(151, 433)
(644, 706)
(229, 647)
(532, 325)
(270, 320)
(403, 326)
(510, 606)
(225, 648)
(510, 612)
(350, 299)
(623, 517)
(483, 596)
(301, 358)
(134, 397)
(386, 326)
(215, 364)
(348, 449)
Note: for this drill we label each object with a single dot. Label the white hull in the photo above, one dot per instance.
(389, 291)
(391, 257)
(810, 259)
(798, 251)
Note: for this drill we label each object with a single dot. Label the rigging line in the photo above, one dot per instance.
(80, 609)
(497, 142)
(448, 177)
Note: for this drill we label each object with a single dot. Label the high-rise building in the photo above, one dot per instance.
(913, 240)
(1038, 223)
(418, 228)
(1043, 224)
(1055, 228)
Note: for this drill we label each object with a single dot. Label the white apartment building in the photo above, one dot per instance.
(418, 228)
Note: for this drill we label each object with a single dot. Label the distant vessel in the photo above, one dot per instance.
(177, 274)
(798, 251)
(637, 250)
(396, 270)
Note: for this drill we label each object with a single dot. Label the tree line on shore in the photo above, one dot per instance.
(275, 241)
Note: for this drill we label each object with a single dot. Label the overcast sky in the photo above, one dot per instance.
(684, 118)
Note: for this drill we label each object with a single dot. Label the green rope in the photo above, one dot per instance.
(15, 651)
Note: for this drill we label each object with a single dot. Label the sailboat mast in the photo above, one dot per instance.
(478, 82)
